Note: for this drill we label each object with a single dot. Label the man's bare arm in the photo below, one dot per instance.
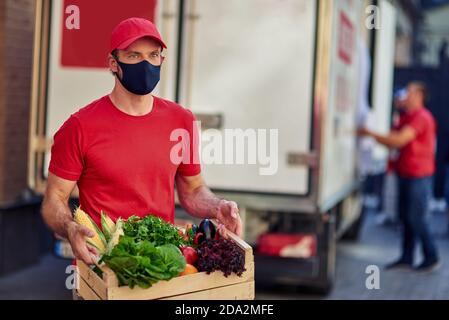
(395, 139)
(55, 207)
(198, 200)
(196, 197)
(57, 215)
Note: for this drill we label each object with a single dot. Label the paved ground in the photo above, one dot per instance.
(43, 281)
(376, 246)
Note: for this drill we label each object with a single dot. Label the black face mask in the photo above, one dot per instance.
(140, 78)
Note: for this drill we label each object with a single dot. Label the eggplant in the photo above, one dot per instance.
(207, 228)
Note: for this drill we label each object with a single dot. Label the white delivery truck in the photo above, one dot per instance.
(277, 79)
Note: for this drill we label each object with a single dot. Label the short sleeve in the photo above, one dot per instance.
(419, 125)
(67, 151)
(193, 166)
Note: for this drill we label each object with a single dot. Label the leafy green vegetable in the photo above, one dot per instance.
(140, 262)
(147, 252)
(154, 230)
(191, 235)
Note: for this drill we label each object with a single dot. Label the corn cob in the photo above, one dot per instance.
(115, 236)
(98, 241)
(107, 225)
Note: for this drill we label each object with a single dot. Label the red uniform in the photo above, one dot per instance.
(417, 159)
(121, 162)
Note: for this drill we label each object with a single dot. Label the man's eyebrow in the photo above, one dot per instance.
(132, 52)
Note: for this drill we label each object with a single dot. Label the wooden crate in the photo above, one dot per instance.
(198, 286)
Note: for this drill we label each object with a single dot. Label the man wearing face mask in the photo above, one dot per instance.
(414, 137)
(118, 149)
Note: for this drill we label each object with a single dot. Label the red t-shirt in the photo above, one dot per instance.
(417, 159)
(122, 163)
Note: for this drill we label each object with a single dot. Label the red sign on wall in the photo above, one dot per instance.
(345, 39)
(88, 45)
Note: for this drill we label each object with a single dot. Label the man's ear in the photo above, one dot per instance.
(112, 64)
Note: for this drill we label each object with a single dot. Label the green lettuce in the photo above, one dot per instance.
(140, 262)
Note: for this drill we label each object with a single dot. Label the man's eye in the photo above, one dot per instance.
(155, 54)
(133, 56)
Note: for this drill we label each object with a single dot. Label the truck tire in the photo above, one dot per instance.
(327, 239)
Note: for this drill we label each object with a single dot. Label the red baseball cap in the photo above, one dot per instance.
(132, 29)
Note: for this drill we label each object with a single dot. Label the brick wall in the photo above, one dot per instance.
(16, 49)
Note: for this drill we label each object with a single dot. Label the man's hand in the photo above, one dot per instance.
(363, 132)
(77, 237)
(200, 202)
(228, 216)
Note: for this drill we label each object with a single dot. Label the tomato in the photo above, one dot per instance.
(190, 255)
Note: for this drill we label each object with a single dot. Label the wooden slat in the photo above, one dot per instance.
(86, 292)
(94, 281)
(38, 96)
(181, 285)
(44, 61)
(34, 90)
(241, 291)
(109, 277)
(249, 257)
